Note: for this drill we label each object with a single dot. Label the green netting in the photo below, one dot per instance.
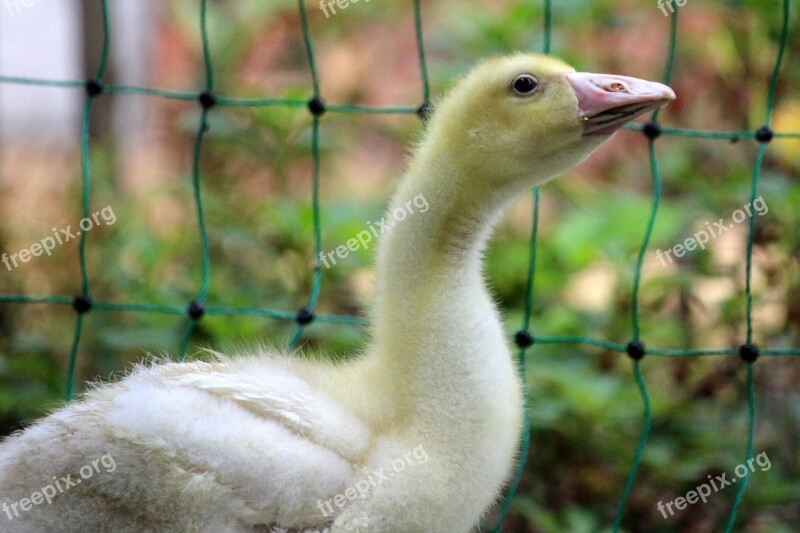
(82, 303)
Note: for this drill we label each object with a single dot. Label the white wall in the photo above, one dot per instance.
(42, 39)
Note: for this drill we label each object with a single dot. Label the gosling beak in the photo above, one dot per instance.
(607, 102)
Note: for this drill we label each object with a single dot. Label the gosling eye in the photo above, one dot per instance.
(524, 85)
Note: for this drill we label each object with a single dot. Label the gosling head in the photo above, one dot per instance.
(522, 119)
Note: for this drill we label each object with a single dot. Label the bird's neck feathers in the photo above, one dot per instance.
(429, 252)
(439, 350)
(430, 288)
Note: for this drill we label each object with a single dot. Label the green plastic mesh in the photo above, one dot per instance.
(83, 300)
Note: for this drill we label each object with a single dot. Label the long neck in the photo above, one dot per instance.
(431, 297)
(439, 371)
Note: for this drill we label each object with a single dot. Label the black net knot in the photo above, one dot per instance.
(425, 111)
(196, 310)
(82, 303)
(94, 87)
(305, 316)
(636, 350)
(652, 130)
(523, 339)
(207, 99)
(317, 107)
(749, 352)
(764, 134)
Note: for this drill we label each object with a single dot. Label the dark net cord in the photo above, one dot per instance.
(195, 310)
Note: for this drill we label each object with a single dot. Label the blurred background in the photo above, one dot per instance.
(256, 170)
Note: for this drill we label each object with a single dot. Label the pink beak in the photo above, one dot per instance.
(608, 102)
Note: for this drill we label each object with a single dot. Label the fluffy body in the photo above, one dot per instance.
(256, 442)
